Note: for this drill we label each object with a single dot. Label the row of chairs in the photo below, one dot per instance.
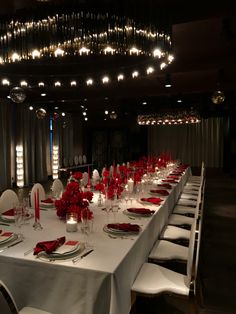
(9, 198)
(176, 248)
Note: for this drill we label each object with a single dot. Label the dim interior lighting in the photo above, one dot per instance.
(56, 107)
(19, 166)
(150, 70)
(57, 84)
(108, 49)
(135, 74)
(170, 58)
(86, 118)
(163, 65)
(134, 50)
(105, 79)
(106, 112)
(31, 108)
(73, 83)
(84, 113)
(59, 52)
(15, 57)
(89, 82)
(157, 53)
(23, 84)
(43, 94)
(63, 114)
(35, 54)
(5, 82)
(144, 103)
(41, 84)
(171, 118)
(120, 77)
(84, 50)
(168, 83)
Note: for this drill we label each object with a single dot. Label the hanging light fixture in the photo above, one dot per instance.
(218, 96)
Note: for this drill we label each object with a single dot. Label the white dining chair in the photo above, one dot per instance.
(8, 200)
(153, 279)
(180, 221)
(8, 304)
(57, 188)
(175, 234)
(37, 187)
(84, 180)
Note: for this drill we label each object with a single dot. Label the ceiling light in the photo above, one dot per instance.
(150, 70)
(157, 53)
(108, 49)
(144, 103)
(105, 79)
(31, 108)
(84, 51)
(57, 84)
(84, 113)
(59, 52)
(89, 82)
(5, 82)
(86, 118)
(163, 65)
(23, 84)
(120, 77)
(135, 74)
(41, 84)
(35, 54)
(43, 94)
(73, 83)
(63, 114)
(56, 107)
(134, 50)
(15, 57)
(106, 112)
(168, 81)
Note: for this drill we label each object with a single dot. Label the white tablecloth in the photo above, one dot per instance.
(98, 284)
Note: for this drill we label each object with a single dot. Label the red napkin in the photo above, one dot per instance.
(9, 212)
(165, 185)
(162, 192)
(176, 173)
(169, 180)
(49, 246)
(173, 177)
(48, 201)
(142, 211)
(153, 200)
(124, 227)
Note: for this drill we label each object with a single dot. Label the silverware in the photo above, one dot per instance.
(29, 251)
(10, 245)
(76, 259)
(4, 224)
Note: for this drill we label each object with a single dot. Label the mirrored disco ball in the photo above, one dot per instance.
(218, 97)
(41, 113)
(17, 95)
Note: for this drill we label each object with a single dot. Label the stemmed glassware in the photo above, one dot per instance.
(19, 218)
(86, 226)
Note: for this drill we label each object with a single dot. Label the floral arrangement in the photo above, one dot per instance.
(74, 199)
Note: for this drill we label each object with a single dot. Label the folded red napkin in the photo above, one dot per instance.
(165, 185)
(162, 192)
(9, 212)
(153, 200)
(177, 173)
(49, 246)
(124, 227)
(169, 180)
(142, 211)
(48, 200)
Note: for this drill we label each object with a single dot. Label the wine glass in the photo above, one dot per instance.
(86, 226)
(107, 207)
(19, 218)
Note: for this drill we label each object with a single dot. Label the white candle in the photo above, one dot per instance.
(71, 225)
(130, 185)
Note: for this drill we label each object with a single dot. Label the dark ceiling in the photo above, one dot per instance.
(204, 46)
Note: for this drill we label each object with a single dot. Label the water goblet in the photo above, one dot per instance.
(19, 218)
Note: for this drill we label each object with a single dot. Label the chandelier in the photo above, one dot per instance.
(175, 117)
(120, 47)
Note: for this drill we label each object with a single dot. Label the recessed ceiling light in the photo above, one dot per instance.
(144, 103)
(43, 94)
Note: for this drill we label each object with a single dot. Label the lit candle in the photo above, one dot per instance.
(71, 222)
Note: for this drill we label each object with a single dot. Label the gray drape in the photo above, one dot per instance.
(191, 143)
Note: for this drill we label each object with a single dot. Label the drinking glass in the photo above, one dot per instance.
(86, 225)
(19, 218)
(107, 208)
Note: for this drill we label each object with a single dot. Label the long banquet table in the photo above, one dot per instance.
(100, 283)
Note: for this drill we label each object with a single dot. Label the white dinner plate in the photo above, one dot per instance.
(119, 232)
(10, 219)
(6, 239)
(62, 252)
(133, 214)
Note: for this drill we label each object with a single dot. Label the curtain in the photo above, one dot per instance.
(191, 143)
(33, 134)
(7, 147)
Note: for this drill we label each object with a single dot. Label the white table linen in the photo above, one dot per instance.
(98, 284)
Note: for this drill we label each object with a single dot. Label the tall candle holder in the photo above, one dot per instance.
(37, 225)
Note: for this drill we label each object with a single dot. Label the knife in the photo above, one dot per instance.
(74, 260)
(10, 245)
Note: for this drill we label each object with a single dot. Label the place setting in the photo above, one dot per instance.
(57, 249)
(9, 239)
(139, 212)
(151, 200)
(122, 230)
(159, 192)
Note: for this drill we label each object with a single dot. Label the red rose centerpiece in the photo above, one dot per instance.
(74, 199)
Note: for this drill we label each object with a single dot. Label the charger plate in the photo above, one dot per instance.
(7, 237)
(66, 251)
(119, 232)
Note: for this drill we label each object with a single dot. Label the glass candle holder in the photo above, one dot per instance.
(71, 222)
